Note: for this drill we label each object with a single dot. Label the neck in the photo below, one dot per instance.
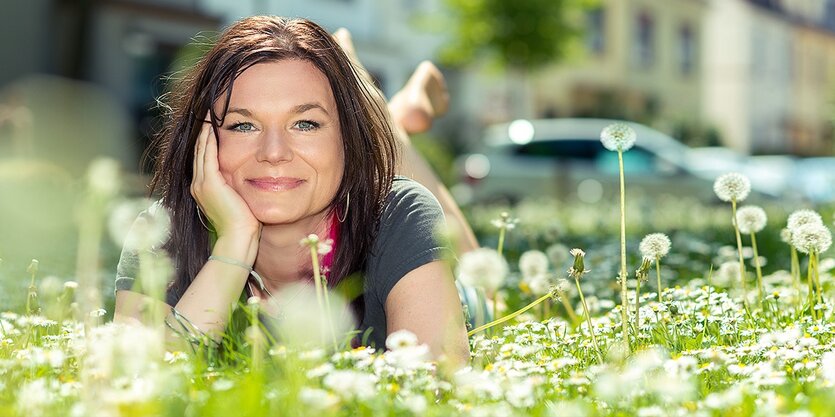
(281, 259)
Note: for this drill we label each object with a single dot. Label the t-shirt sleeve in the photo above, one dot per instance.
(406, 238)
(127, 269)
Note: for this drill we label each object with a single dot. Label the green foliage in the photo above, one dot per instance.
(518, 34)
(438, 154)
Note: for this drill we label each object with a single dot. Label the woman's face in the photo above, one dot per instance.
(280, 146)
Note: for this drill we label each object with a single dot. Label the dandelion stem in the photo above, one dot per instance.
(502, 231)
(255, 338)
(588, 318)
(623, 297)
(813, 258)
(759, 270)
(637, 308)
(739, 250)
(322, 287)
(568, 309)
(32, 296)
(658, 275)
(509, 316)
(809, 279)
(495, 303)
(795, 272)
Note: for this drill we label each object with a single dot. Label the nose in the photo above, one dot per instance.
(274, 148)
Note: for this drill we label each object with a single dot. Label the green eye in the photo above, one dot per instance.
(306, 125)
(242, 127)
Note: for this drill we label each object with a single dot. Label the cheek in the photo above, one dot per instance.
(227, 161)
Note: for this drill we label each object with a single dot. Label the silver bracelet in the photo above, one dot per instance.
(230, 261)
(249, 269)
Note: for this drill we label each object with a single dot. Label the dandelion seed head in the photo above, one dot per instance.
(655, 246)
(800, 217)
(811, 237)
(557, 254)
(483, 268)
(303, 327)
(539, 284)
(533, 263)
(727, 273)
(786, 235)
(618, 137)
(139, 224)
(33, 266)
(751, 219)
(505, 221)
(324, 247)
(311, 240)
(732, 186)
(563, 285)
(103, 176)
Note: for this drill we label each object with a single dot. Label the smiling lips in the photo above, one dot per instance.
(275, 183)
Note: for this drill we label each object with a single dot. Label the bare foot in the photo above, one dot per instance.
(343, 38)
(419, 102)
(422, 99)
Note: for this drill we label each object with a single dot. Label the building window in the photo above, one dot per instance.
(596, 30)
(644, 46)
(686, 50)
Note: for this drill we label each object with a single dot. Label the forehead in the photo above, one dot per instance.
(280, 85)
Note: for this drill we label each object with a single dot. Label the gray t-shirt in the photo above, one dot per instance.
(405, 241)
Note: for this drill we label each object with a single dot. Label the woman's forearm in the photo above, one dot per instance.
(208, 301)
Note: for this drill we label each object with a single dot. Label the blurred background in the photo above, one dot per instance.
(714, 86)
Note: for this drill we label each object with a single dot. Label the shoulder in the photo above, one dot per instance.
(406, 237)
(407, 196)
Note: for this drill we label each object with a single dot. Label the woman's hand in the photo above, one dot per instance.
(224, 207)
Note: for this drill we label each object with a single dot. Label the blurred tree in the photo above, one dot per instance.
(696, 134)
(519, 35)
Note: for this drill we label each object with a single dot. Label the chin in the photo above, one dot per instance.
(271, 213)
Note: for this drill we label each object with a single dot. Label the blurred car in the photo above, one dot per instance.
(772, 174)
(769, 174)
(713, 161)
(815, 178)
(564, 158)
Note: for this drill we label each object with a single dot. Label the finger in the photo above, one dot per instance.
(194, 159)
(210, 162)
(199, 169)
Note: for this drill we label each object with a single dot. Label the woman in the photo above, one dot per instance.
(275, 135)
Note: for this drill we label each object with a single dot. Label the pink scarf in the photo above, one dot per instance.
(327, 259)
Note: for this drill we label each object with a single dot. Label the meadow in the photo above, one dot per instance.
(649, 306)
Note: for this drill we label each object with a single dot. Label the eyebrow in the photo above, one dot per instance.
(301, 108)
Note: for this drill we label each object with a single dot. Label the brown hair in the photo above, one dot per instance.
(369, 144)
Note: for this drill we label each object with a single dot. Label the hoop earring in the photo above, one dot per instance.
(347, 206)
(199, 217)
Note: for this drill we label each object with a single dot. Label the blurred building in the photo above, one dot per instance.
(810, 129)
(642, 61)
(770, 74)
(755, 75)
(88, 72)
